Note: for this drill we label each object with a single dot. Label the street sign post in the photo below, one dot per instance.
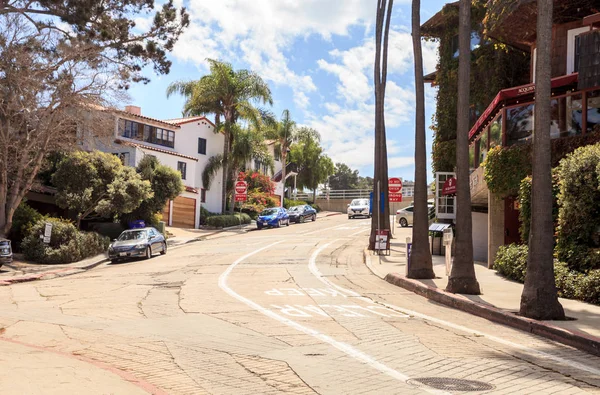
(241, 191)
(395, 189)
(448, 235)
(47, 232)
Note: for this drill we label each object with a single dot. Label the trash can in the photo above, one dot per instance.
(161, 227)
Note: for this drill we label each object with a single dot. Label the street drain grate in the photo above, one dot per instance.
(451, 384)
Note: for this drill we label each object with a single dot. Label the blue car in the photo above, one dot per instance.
(275, 217)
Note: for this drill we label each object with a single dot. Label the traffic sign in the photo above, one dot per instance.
(241, 191)
(395, 189)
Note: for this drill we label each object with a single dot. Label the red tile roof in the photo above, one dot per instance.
(182, 121)
(151, 148)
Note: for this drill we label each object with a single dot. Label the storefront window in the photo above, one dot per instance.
(565, 116)
(496, 132)
(472, 156)
(519, 124)
(483, 146)
(593, 112)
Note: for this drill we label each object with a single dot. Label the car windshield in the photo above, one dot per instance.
(295, 208)
(359, 202)
(269, 211)
(132, 235)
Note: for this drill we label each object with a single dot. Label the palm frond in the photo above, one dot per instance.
(215, 163)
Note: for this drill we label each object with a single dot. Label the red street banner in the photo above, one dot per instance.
(395, 190)
(449, 187)
(241, 191)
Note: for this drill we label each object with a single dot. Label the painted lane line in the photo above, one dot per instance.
(359, 232)
(345, 348)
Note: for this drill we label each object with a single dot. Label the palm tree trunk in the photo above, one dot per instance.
(225, 169)
(539, 299)
(283, 159)
(462, 277)
(421, 265)
(384, 14)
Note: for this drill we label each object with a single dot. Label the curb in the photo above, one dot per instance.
(40, 276)
(576, 339)
(332, 214)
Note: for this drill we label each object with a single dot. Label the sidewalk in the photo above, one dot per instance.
(37, 370)
(499, 301)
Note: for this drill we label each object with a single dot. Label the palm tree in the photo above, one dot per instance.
(539, 299)
(421, 263)
(382, 29)
(285, 134)
(248, 145)
(462, 277)
(228, 94)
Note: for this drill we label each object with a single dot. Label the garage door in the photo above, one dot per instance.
(184, 212)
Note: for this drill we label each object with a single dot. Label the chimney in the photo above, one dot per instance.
(133, 110)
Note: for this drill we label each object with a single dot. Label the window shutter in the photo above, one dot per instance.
(589, 59)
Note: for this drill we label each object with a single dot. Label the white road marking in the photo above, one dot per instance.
(345, 348)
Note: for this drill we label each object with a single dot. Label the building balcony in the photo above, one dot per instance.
(509, 119)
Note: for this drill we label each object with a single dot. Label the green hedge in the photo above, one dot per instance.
(511, 261)
(23, 219)
(287, 203)
(224, 221)
(67, 244)
(525, 200)
(578, 241)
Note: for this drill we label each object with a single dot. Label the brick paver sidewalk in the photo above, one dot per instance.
(496, 290)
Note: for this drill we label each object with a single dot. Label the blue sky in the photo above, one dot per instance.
(317, 56)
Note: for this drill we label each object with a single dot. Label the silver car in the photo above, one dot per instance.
(404, 216)
(137, 243)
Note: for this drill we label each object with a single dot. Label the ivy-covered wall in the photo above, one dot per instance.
(494, 66)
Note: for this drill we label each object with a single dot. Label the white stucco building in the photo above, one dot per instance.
(185, 145)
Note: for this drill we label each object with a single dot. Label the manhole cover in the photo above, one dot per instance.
(451, 384)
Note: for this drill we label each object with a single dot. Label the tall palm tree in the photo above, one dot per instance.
(380, 177)
(231, 96)
(462, 277)
(539, 299)
(421, 263)
(285, 134)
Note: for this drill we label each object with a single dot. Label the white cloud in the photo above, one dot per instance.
(259, 32)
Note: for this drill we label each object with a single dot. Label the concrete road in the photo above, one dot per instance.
(291, 310)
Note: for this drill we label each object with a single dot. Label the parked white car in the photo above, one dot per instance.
(359, 208)
(404, 216)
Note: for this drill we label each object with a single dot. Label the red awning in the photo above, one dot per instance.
(517, 91)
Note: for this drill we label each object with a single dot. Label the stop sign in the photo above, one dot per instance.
(394, 185)
(240, 187)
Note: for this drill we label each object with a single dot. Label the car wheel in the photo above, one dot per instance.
(302, 219)
(148, 252)
(403, 222)
(314, 217)
(279, 224)
(349, 217)
(287, 223)
(259, 226)
(164, 249)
